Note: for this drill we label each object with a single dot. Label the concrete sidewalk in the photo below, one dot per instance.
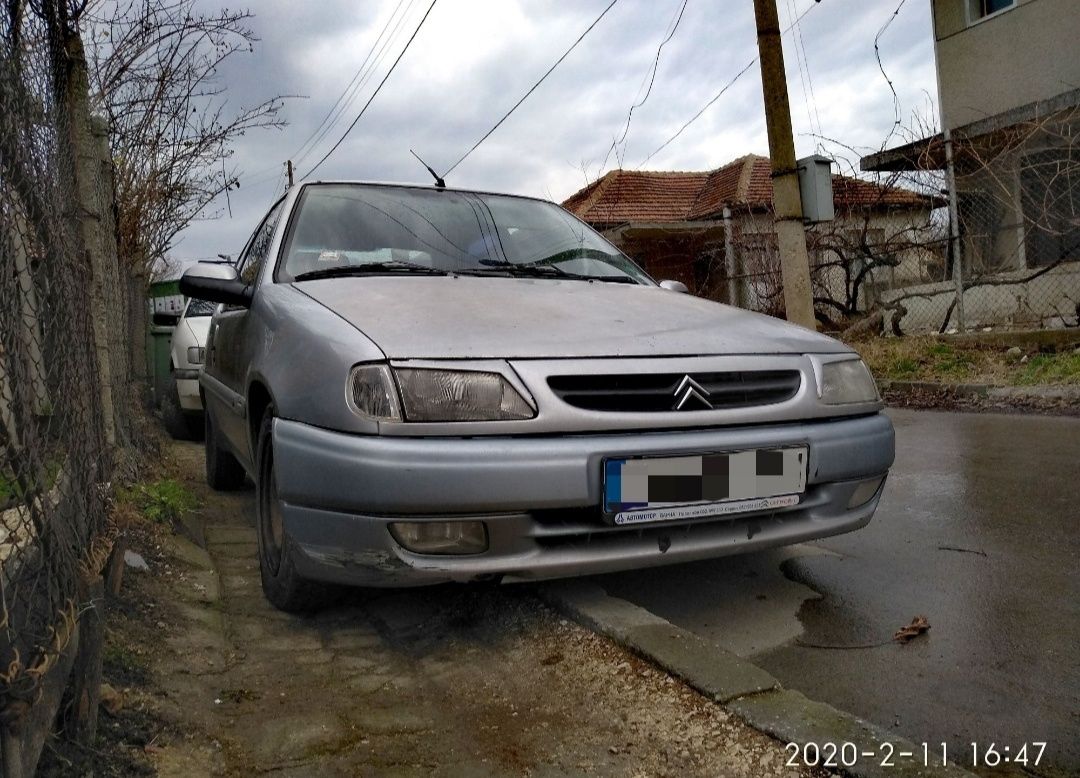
(440, 681)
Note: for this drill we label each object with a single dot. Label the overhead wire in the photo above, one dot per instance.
(881, 67)
(650, 76)
(277, 185)
(532, 89)
(806, 62)
(354, 91)
(719, 94)
(378, 89)
(347, 93)
(801, 63)
(704, 108)
(347, 96)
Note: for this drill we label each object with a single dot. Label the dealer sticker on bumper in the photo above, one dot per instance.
(685, 487)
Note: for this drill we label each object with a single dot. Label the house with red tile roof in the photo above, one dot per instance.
(713, 231)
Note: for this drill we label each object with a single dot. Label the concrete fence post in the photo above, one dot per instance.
(89, 223)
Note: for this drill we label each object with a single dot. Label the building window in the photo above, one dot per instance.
(1050, 198)
(980, 9)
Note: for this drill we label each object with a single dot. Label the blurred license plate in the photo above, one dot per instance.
(686, 487)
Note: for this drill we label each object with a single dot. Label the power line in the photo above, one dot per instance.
(277, 184)
(704, 108)
(345, 99)
(672, 28)
(804, 71)
(532, 88)
(881, 67)
(354, 91)
(376, 92)
(719, 94)
(806, 62)
(342, 99)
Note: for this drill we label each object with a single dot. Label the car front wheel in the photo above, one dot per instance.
(286, 589)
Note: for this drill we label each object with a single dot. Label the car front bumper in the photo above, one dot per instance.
(187, 389)
(539, 498)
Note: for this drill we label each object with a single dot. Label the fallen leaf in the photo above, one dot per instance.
(111, 700)
(918, 626)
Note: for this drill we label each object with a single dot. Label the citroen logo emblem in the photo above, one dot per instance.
(690, 395)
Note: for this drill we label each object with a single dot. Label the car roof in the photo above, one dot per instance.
(426, 187)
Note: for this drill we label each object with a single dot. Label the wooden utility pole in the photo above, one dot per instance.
(288, 167)
(787, 205)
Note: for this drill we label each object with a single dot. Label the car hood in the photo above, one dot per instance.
(199, 328)
(446, 317)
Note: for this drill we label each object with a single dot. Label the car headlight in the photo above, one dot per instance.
(431, 395)
(459, 395)
(195, 355)
(847, 381)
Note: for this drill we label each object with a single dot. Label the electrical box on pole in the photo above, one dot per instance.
(816, 188)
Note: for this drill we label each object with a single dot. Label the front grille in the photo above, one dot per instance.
(660, 392)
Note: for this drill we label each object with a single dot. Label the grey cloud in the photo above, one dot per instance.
(448, 90)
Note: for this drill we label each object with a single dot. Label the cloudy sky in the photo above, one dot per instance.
(473, 59)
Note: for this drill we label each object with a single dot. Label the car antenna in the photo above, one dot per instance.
(439, 183)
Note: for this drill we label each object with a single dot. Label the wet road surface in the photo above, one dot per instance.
(977, 531)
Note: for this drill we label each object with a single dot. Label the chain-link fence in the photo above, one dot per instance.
(1018, 237)
(64, 350)
(890, 265)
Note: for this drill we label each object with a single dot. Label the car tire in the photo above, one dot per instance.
(283, 586)
(196, 425)
(223, 472)
(173, 417)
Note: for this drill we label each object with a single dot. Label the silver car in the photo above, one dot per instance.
(432, 385)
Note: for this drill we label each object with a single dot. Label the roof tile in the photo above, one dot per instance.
(622, 196)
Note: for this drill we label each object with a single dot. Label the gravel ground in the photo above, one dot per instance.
(455, 680)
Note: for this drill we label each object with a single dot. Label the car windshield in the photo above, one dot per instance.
(361, 228)
(199, 308)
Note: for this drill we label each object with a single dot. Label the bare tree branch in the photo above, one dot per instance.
(154, 66)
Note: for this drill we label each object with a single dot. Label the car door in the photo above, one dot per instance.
(231, 342)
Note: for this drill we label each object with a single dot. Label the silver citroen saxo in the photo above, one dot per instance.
(429, 385)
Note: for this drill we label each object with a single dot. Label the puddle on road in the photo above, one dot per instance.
(745, 603)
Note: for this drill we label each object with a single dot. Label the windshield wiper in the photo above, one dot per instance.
(369, 268)
(541, 271)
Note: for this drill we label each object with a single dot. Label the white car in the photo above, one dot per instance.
(182, 407)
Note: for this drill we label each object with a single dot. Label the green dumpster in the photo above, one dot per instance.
(166, 304)
(158, 348)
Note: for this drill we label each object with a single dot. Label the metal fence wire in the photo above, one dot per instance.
(55, 456)
(891, 261)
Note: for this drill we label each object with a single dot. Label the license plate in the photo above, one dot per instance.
(643, 489)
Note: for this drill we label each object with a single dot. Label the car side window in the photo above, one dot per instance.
(259, 246)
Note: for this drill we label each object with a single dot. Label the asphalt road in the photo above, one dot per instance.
(977, 531)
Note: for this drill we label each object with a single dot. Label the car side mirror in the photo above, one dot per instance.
(162, 319)
(217, 283)
(674, 286)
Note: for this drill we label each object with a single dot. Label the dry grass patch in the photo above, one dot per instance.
(941, 360)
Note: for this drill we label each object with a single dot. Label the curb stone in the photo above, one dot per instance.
(716, 673)
(187, 551)
(740, 686)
